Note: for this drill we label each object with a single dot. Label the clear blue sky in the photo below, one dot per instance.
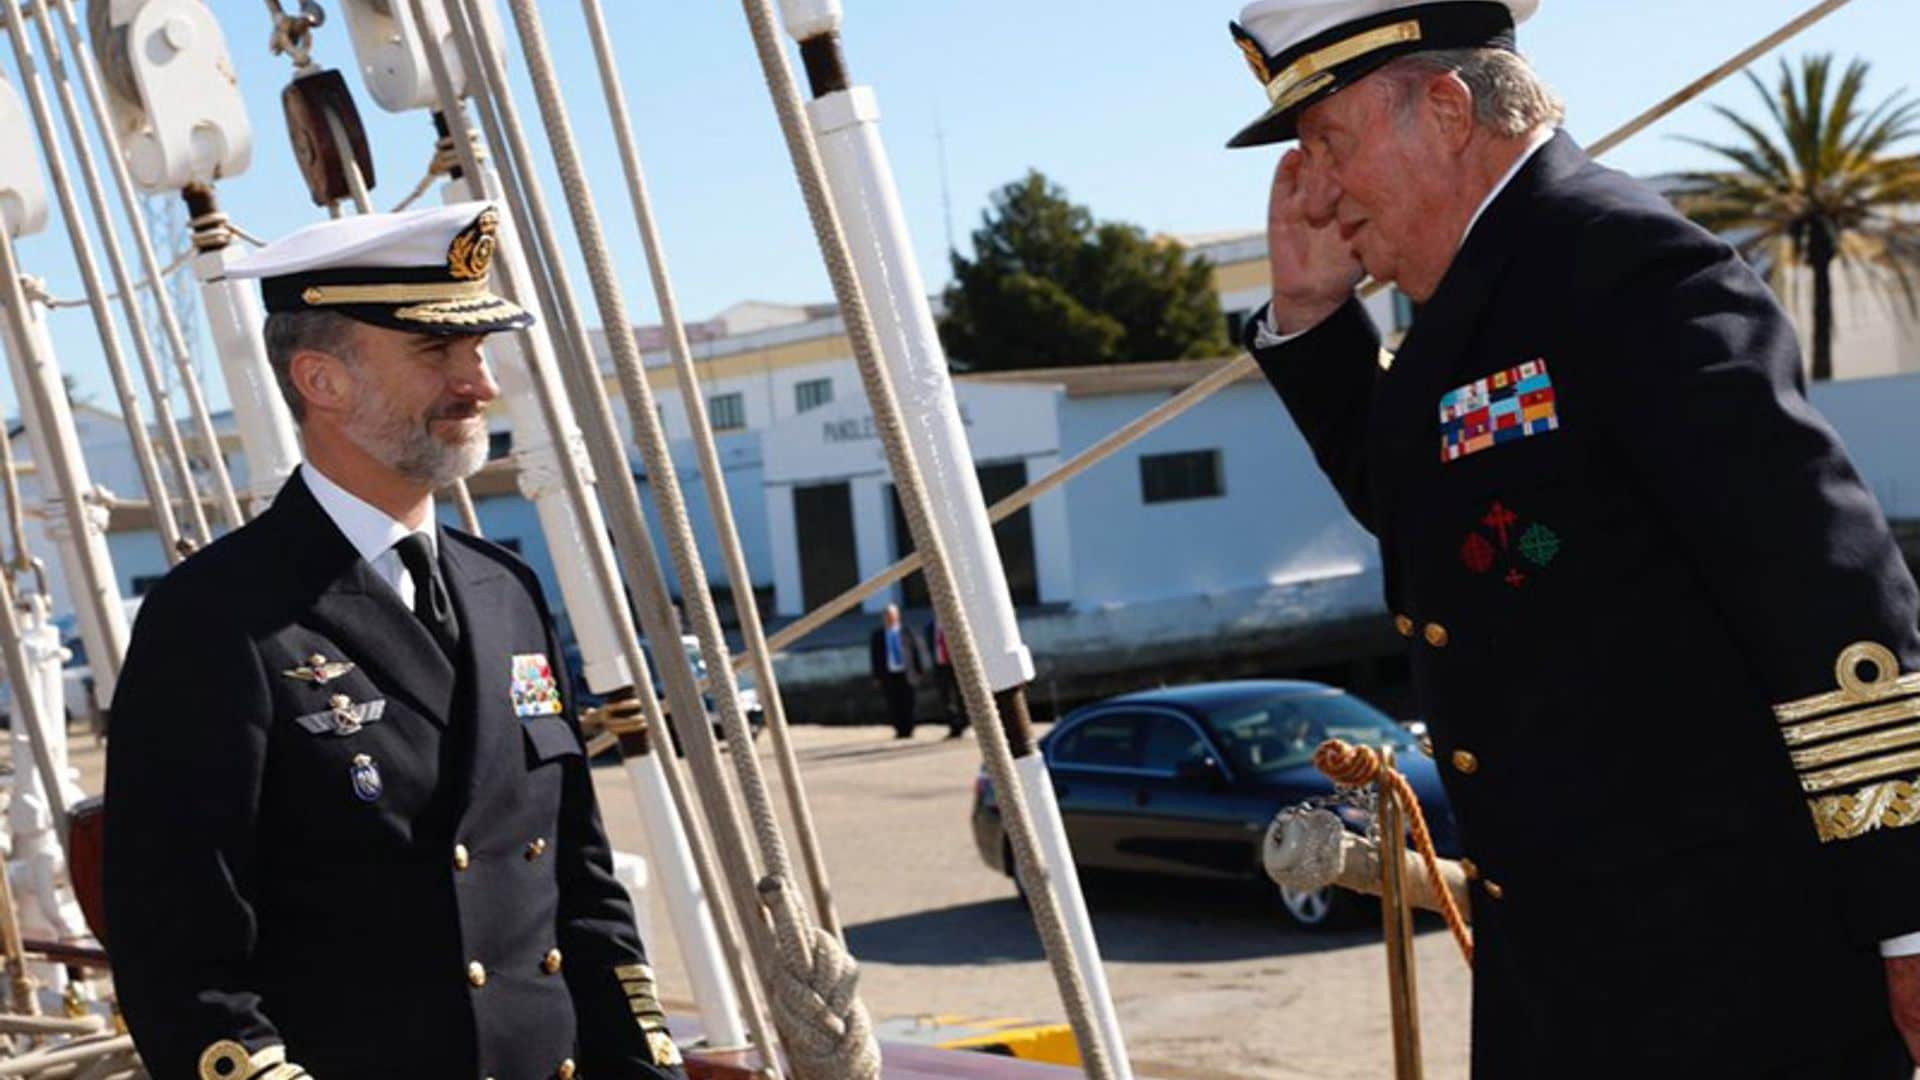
(1125, 102)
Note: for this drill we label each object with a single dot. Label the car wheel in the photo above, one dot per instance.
(1320, 909)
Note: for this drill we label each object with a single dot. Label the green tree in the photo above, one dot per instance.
(1048, 286)
(1822, 186)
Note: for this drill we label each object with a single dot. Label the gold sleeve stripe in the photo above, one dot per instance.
(635, 989)
(1859, 772)
(282, 1072)
(633, 971)
(1894, 804)
(1875, 742)
(1847, 723)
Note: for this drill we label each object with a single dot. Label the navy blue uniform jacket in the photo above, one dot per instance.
(431, 895)
(1659, 628)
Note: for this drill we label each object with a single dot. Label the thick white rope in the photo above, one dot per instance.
(713, 476)
(702, 614)
(123, 277)
(633, 542)
(224, 499)
(555, 407)
(1049, 919)
(103, 321)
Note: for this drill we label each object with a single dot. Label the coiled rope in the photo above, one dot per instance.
(1353, 766)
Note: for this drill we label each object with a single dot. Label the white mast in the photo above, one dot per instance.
(845, 120)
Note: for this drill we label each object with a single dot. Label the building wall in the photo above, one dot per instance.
(1875, 419)
(1278, 521)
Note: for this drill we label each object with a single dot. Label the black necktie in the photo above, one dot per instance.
(431, 603)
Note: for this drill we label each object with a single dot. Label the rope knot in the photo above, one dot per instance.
(1346, 764)
(1352, 766)
(816, 1001)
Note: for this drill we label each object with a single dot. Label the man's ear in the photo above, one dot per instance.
(1451, 103)
(322, 379)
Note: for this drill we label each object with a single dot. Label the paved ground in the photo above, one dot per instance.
(1209, 982)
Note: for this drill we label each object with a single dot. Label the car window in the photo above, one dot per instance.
(1281, 732)
(1131, 740)
(1167, 742)
(1105, 741)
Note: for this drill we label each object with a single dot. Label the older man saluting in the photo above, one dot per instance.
(1660, 628)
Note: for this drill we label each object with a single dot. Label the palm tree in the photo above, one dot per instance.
(1824, 187)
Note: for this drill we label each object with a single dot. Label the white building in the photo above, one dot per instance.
(1216, 535)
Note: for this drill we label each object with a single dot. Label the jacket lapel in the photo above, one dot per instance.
(352, 606)
(1437, 354)
(483, 595)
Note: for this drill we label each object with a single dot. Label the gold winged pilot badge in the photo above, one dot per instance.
(319, 670)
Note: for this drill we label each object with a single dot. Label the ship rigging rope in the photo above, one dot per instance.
(713, 476)
(837, 1040)
(83, 60)
(556, 410)
(463, 143)
(1049, 918)
(157, 395)
(173, 544)
(1356, 766)
(731, 845)
(1243, 366)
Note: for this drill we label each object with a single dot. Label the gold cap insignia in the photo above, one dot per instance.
(471, 253)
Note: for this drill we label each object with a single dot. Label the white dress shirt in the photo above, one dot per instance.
(371, 532)
(1265, 336)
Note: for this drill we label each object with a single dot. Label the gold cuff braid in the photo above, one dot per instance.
(1853, 737)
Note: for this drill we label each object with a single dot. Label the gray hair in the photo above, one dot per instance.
(290, 332)
(1508, 97)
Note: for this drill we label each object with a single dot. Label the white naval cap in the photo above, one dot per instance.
(424, 271)
(1304, 51)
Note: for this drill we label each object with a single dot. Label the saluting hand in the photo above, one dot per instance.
(1314, 270)
(1903, 997)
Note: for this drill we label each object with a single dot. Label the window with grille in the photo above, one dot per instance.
(812, 394)
(728, 412)
(1194, 474)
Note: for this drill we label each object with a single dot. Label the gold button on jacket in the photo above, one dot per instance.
(1436, 635)
(477, 974)
(550, 963)
(461, 859)
(1464, 761)
(566, 1070)
(536, 848)
(1404, 625)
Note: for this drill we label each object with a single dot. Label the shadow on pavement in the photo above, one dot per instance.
(1151, 922)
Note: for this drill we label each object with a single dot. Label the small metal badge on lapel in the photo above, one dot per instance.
(366, 778)
(534, 690)
(344, 716)
(319, 671)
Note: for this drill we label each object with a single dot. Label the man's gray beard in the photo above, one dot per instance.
(410, 448)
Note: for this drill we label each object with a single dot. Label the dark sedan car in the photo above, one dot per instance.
(1184, 781)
